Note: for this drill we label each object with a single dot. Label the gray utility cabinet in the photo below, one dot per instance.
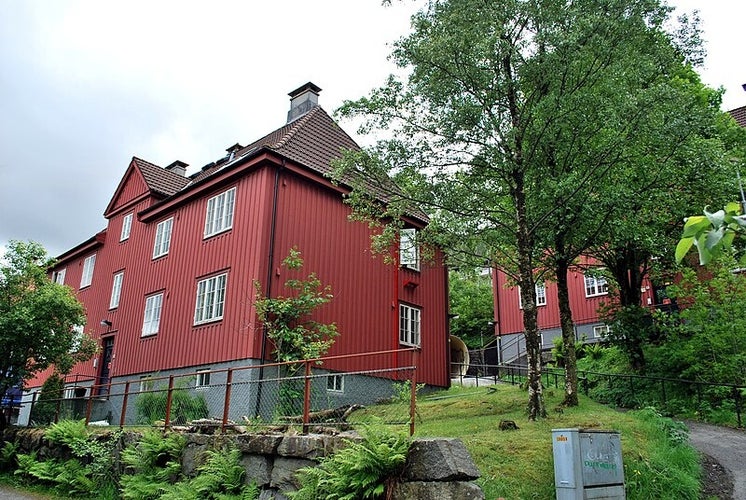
(587, 464)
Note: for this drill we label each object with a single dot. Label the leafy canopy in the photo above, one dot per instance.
(37, 318)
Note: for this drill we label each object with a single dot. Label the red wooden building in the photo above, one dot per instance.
(169, 284)
(587, 292)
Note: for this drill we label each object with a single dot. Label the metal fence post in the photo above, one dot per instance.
(413, 393)
(227, 401)
(307, 397)
(124, 404)
(169, 398)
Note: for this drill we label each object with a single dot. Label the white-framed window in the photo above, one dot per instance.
(595, 285)
(409, 325)
(210, 299)
(126, 227)
(335, 383)
(540, 295)
(146, 383)
(88, 265)
(601, 331)
(203, 378)
(116, 290)
(409, 251)
(219, 216)
(59, 276)
(152, 318)
(162, 237)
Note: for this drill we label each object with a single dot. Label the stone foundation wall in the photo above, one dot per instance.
(437, 469)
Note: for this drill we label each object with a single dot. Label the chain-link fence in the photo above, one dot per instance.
(334, 391)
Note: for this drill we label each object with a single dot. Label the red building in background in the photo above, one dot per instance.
(168, 286)
(587, 290)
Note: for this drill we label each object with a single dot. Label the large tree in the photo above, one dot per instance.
(510, 114)
(38, 319)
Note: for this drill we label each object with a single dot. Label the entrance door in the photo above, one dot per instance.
(103, 377)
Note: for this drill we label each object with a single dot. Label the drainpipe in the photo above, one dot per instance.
(268, 290)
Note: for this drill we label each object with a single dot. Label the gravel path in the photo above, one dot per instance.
(728, 447)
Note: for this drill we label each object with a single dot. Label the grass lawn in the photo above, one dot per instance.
(518, 464)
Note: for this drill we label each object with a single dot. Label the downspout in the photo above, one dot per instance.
(496, 315)
(448, 323)
(268, 289)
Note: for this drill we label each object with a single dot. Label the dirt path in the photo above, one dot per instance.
(728, 448)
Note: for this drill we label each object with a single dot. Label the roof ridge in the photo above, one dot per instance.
(296, 125)
(146, 162)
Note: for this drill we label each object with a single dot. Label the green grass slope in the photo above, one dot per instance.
(517, 464)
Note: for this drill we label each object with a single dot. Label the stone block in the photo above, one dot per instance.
(424, 490)
(258, 444)
(301, 447)
(258, 468)
(439, 460)
(283, 472)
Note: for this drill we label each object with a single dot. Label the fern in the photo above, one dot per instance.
(8, 454)
(67, 432)
(356, 472)
(153, 465)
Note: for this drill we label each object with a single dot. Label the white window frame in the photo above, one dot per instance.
(540, 295)
(162, 242)
(335, 382)
(409, 251)
(597, 329)
(595, 286)
(146, 383)
(151, 321)
(203, 379)
(410, 326)
(59, 276)
(126, 227)
(116, 290)
(219, 213)
(88, 265)
(210, 304)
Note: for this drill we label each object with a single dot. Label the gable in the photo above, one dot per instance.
(131, 188)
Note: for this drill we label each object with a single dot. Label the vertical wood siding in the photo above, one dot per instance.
(310, 217)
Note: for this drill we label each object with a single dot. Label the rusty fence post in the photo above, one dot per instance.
(413, 394)
(307, 397)
(125, 399)
(227, 401)
(169, 398)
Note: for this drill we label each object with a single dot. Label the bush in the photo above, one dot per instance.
(45, 408)
(151, 406)
(152, 465)
(359, 471)
(89, 470)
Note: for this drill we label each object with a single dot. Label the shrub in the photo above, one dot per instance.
(359, 471)
(151, 406)
(152, 465)
(91, 467)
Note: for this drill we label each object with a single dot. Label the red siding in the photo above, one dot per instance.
(584, 309)
(309, 216)
(365, 306)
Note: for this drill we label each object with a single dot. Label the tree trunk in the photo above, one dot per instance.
(568, 334)
(527, 283)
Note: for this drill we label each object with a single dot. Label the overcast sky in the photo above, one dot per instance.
(85, 85)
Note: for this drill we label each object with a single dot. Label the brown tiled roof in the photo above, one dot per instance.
(313, 141)
(160, 180)
(739, 114)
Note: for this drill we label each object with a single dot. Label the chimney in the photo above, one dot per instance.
(178, 167)
(302, 100)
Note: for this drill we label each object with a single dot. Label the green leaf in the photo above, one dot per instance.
(716, 218)
(695, 225)
(713, 237)
(683, 248)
